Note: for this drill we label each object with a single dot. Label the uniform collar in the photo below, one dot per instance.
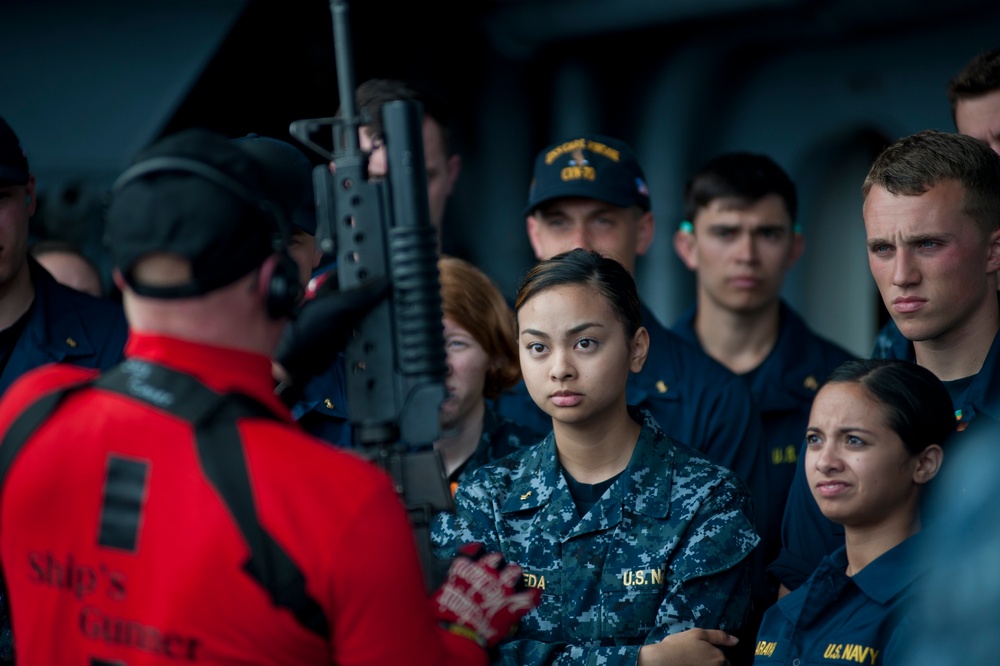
(984, 392)
(882, 581)
(221, 369)
(481, 455)
(786, 377)
(55, 328)
(643, 488)
(904, 566)
(325, 393)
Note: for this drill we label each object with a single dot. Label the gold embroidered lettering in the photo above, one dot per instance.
(765, 649)
(601, 149)
(643, 577)
(578, 173)
(531, 580)
(560, 150)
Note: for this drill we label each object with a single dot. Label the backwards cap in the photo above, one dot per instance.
(198, 195)
(290, 177)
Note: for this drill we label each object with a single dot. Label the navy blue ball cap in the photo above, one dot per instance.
(591, 167)
(195, 194)
(13, 159)
(289, 174)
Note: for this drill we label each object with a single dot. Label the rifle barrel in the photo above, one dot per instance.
(343, 52)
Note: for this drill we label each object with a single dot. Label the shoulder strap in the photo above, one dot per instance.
(27, 423)
(214, 417)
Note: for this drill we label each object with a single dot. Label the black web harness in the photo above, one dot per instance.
(213, 417)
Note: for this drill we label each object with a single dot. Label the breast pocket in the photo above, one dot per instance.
(545, 620)
(630, 612)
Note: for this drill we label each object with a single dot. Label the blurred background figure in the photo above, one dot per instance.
(957, 606)
(974, 94)
(42, 321)
(322, 406)
(442, 162)
(740, 237)
(69, 266)
(482, 361)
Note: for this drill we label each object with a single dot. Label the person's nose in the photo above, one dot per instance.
(827, 459)
(747, 248)
(562, 365)
(904, 269)
(581, 238)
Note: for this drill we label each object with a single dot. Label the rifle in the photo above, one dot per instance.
(395, 361)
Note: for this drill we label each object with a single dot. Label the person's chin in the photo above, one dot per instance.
(916, 329)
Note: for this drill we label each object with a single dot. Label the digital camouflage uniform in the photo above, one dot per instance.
(693, 398)
(664, 549)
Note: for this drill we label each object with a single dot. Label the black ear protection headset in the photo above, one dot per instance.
(284, 289)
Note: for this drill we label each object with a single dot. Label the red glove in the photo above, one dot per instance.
(483, 597)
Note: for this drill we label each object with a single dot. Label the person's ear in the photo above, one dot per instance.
(685, 245)
(644, 233)
(993, 260)
(797, 248)
(454, 168)
(640, 349)
(31, 200)
(262, 285)
(928, 464)
(116, 277)
(534, 236)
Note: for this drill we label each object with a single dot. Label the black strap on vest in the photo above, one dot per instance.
(214, 417)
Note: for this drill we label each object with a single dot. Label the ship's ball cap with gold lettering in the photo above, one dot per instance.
(592, 167)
